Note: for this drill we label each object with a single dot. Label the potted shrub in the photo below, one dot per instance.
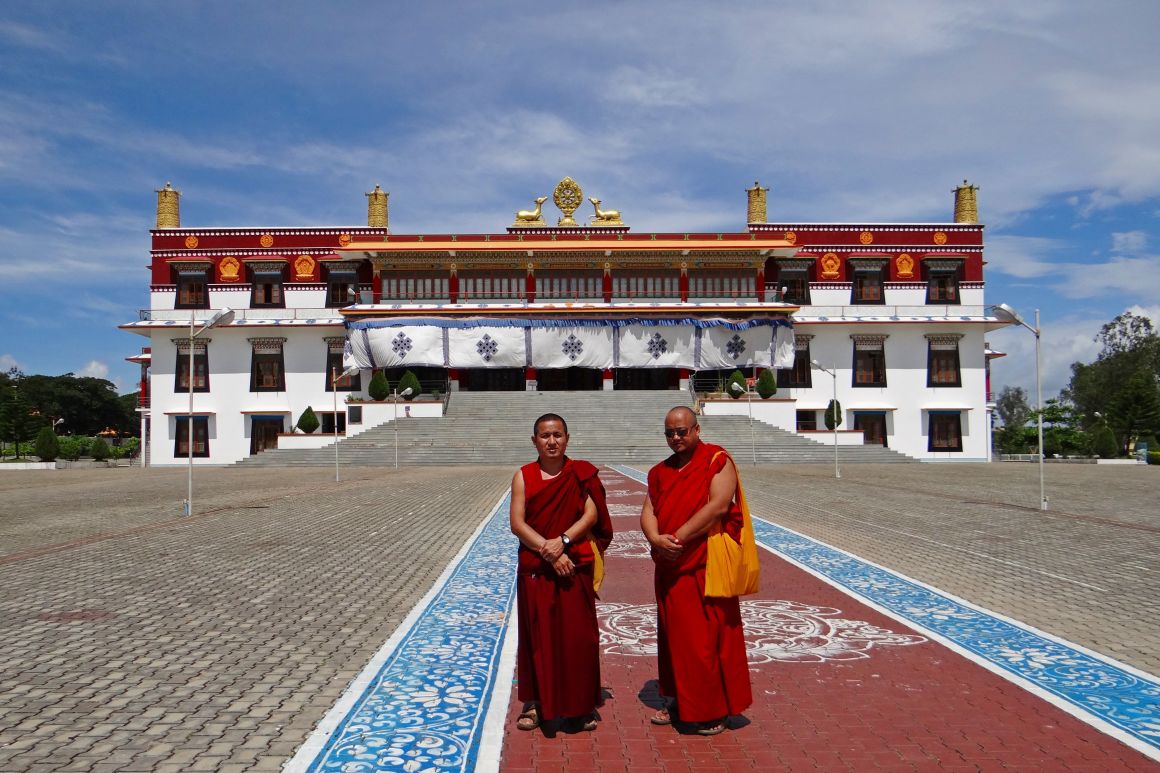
(736, 377)
(409, 381)
(47, 447)
(308, 422)
(833, 415)
(766, 384)
(99, 449)
(379, 389)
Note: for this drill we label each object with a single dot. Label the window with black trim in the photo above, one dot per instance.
(354, 414)
(351, 383)
(807, 421)
(946, 431)
(873, 426)
(485, 285)
(200, 369)
(192, 289)
(267, 365)
(868, 285)
(327, 418)
(794, 282)
(942, 281)
(266, 287)
(869, 361)
(942, 362)
(341, 285)
(200, 437)
(801, 375)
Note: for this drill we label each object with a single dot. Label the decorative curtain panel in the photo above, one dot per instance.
(657, 346)
(392, 347)
(725, 348)
(487, 347)
(572, 347)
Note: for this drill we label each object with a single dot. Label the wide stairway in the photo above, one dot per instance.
(610, 427)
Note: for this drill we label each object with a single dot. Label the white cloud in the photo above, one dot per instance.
(95, 369)
(8, 362)
(1129, 241)
(1151, 312)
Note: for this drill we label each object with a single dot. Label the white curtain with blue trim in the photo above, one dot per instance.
(486, 347)
(572, 347)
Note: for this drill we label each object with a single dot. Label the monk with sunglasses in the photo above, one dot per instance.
(700, 643)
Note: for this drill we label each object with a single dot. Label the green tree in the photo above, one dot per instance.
(379, 389)
(47, 447)
(99, 449)
(1129, 344)
(766, 384)
(308, 421)
(409, 381)
(833, 416)
(1012, 406)
(1135, 409)
(73, 447)
(1104, 443)
(738, 378)
(19, 420)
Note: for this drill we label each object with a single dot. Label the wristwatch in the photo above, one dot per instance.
(566, 540)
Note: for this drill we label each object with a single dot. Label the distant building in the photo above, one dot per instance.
(895, 310)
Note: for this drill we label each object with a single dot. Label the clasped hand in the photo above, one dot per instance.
(668, 547)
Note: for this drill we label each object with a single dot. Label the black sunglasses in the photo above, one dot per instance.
(678, 432)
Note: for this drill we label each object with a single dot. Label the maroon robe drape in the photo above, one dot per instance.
(700, 642)
(558, 659)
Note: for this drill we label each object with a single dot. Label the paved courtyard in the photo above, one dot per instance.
(133, 639)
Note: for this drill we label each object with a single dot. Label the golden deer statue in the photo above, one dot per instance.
(531, 216)
(604, 216)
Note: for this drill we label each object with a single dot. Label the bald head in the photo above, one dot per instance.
(683, 415)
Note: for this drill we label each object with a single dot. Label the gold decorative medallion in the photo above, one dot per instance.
(229, 268)
(191, 242)
(343, 240)
(304, 267)
(791, 237)
(267, 240)
(940, 237)
(905, 265)
(866, 237)
(830, 265)
(568, 198)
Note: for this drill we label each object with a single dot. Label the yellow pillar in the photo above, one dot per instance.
(966, 205)
(377, 208)
(757, 203)
(168, 207)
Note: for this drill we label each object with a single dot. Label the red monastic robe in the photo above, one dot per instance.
(558, 659)
(700, 642)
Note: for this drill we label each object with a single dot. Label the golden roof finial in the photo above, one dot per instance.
(377, 208)
(757, 212)
(168, 207)
(966, 203)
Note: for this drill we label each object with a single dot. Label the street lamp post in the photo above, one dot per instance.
(736, 389)
(1008, 314)
(334, 377)
(223, 317)
(834, 375)
(405, 393)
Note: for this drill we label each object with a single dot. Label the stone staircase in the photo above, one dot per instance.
(614, 427)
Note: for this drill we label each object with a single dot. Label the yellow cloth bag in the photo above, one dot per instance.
(597, 565)
(732, 569)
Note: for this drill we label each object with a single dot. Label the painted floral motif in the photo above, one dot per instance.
(628, 543)
(657, 345)
(402, 345)
(486, 347)
(775, 631)
(572, 347)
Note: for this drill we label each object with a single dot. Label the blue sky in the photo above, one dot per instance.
(281, 114)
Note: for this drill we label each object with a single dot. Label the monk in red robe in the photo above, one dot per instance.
(700, 642)
(559, 513)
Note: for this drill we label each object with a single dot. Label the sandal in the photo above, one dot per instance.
(662, 717)
(589, 724)
(529, 719)
(712, 728)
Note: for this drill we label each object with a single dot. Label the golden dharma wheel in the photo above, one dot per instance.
(568, 198)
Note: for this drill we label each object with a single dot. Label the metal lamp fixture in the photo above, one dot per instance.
(1007, 314)
(223, 317)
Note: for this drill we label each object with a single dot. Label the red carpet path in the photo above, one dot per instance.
(837, 686)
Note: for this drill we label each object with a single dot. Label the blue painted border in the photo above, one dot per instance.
(424, 708)
(1126, 699)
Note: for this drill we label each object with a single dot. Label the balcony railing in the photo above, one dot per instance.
(880, 311)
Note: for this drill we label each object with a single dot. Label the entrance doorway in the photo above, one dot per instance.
(646, 378)
(264, 433)
(873, 426)
(492, 380)
(568, 379)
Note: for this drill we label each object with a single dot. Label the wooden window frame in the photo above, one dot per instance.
(181, 435)
(953, 441)
(200, 372)
(936, 372)
(257, 361)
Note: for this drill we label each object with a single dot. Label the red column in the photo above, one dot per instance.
(761, 283)
(377, 287)
(453, 285)
(530, 289)
(684, 283)
(607, 283)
